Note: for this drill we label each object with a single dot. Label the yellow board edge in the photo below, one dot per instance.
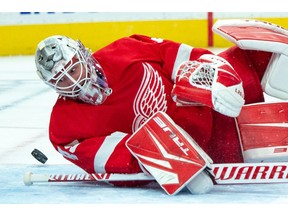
(23, 39)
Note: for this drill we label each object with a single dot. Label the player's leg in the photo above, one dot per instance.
(263, 132)
(262, 36)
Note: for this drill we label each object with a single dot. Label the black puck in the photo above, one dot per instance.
(38, 155)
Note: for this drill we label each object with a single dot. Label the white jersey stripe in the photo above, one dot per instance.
(183, 54)
(106, 150)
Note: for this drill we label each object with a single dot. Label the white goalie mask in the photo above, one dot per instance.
(69, 68)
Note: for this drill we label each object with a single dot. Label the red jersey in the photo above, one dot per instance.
(141, 72)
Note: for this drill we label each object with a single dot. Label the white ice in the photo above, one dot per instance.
(25, 105)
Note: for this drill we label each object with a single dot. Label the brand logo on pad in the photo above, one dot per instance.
(172, 135)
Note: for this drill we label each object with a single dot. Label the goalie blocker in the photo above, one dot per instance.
(171, 156)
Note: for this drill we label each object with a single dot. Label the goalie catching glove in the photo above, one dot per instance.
(209, 81)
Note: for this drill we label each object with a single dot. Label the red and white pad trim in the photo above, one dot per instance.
(254, 35)
(263, 131)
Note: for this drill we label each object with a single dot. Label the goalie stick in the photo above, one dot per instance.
(238, 173)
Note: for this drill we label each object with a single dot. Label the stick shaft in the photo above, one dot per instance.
(30, 178)
(239, 173)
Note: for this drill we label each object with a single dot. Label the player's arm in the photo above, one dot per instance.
(223, 88)
(101, 154)
(171, 54)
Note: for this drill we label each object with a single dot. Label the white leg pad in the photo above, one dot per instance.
(263, 132)
(275, 79)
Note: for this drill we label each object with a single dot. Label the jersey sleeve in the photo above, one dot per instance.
(86, 136)
(104, 155)
(107, 154)
(172, 53)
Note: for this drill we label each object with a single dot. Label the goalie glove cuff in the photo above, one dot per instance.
(210, 81)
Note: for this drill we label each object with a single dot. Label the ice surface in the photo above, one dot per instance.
(25, 105)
